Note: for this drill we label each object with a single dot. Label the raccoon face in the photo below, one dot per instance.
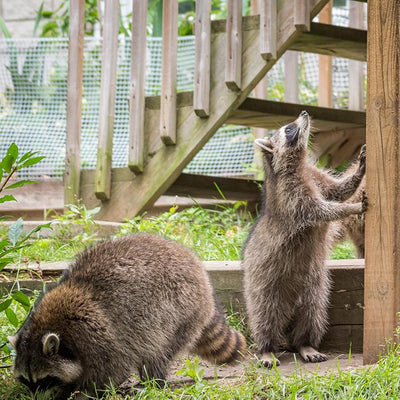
(45, 364)
(288, 142)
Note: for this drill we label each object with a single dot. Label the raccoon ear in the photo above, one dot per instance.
(265, 144)
(51, 343)
(13, 341)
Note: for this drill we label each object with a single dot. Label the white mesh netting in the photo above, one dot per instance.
(33, 89)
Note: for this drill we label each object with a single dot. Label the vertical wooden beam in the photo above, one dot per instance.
(302, 12)
(74, 101)
(169, 59)
(137, 89)
(268, 29)
(233, 62)
(291, 60)
(325, 65)
(107, 99)
(356, 70)
(382, 233)
(201, 97)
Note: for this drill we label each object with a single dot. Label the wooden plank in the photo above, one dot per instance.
(165, 163)
(356, 68)
(325, 65)
(233, 68)
(302, 15)
(169, 60)
(291, 76)
(107, 99)
(271, 114)
(74, 101)
(268, 29)
(202, 80)
(337, 41)
(382, 241)
(137, 89)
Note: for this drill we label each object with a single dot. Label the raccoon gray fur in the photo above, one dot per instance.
(127, 304)
(286, 284)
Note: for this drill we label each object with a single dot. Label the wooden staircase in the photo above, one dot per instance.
(232, 56)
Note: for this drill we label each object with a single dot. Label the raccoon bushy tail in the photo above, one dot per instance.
(219, 343)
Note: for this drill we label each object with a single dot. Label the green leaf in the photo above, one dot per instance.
(37, 229)
(13, 151)
(39, 14)
(5, 261)
(15, 230)
(4, 29)
(27, 155)
(22, 298)
(7, 197)
(20, 183)
(5, 304)
(7, 163)
(12, 317)
(1, 173)
(31, 161)
(3, 243)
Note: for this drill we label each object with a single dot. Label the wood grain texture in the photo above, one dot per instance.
(136, 153)
(233, 66)
(302, 15)
(168, 82)
(202, 79)
(74, 101)
(291, 60)
(325, 64)
(337, 41)
(268, 28)
(107, 99)
(382, 239)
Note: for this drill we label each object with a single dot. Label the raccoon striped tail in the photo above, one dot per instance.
(219, 343)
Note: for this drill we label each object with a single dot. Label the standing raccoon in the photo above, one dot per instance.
(125, 304)
(285, 281)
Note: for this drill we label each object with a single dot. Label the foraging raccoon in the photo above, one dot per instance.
(128, 303)
(285, 282)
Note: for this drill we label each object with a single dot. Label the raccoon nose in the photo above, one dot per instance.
(304, 114)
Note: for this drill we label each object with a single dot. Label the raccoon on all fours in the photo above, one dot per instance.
(286, 283)
(125, 305)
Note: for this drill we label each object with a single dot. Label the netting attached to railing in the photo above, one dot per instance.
(33, 91)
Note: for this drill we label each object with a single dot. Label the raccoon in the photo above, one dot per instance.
(286, 285)
(126, 304)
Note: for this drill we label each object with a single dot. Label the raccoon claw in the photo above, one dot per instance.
(268, 360)
(309, 354)
(364, 202)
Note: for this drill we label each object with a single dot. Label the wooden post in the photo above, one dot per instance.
(291, 76)
(169, 59)
(107, 99)
(201, 97)
(74, 101)
(233, 62)
(268, 29)
(302, 15)
(137, 89)
(382, 238)
(325, 65)
(356, 70)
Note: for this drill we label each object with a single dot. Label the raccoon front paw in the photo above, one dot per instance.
(309, 354)
(362, 159)
(268, 360)
(364, 202)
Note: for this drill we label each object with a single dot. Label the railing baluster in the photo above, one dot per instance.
(268, 29)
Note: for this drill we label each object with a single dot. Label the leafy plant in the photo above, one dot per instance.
(16, 239)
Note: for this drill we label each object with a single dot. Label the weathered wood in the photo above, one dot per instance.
(107, 99)
(74, 101)
(169, 60)
(136, 152)
(268, 28)
(291, 77)
(202, 78)
(233, 66)
(382, 241)
(334, 41)
(325, 65)
(270, 114)
(165, 163)
(356, 68)
(302, 15)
